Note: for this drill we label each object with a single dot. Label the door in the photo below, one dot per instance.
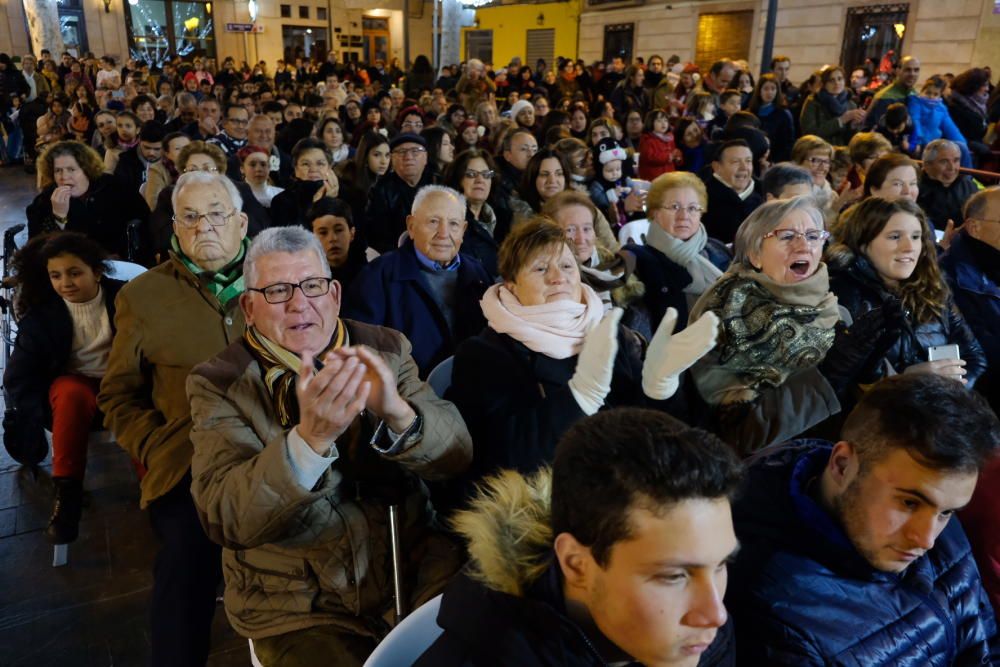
(541, 45)
(72, 27)
(723, 35)
(303, 42)
(871, 33)
(618, 40)
(479, 44)
(376, 37)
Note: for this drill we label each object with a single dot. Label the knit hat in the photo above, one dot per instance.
(609, 149)
(518, 107)
(690, 68)
(471, 122)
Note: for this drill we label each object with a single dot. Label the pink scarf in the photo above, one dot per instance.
(554, 329)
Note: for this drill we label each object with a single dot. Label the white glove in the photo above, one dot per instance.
(591, 382)
(669, 356)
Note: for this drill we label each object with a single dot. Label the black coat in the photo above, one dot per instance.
(42, 352)
(665, 280)
(389, 203)
(103, 214)
(859, 290)
(941, 203)
(485, 627)
(971, 124)
(130, 171)
(517, 403)
(289, 207)
(726, 211)
(479, 243)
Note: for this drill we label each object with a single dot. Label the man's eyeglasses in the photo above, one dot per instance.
(675, 208)
(409, 152)
(191, 219)
(485, 174)
(812, 237)
(282, 292)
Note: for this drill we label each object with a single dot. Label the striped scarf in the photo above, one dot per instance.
(281, 368)
(225, 284)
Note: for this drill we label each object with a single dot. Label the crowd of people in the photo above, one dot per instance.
(592, 336)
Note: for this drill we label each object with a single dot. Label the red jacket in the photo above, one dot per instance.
(981, 520)
(656, 156)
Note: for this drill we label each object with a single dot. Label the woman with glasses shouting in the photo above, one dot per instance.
(784, 356)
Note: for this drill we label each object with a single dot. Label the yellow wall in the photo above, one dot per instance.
(510, 24)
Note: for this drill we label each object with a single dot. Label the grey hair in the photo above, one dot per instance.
(932, 149)
(205, 178)
(767, 217)
(975, 205)
(291, 240)
(475, 63)
(186, 98)
(428, 190)
(783, 174)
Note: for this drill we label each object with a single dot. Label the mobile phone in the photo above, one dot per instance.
(939, 352)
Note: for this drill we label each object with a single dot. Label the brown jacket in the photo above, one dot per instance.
(295, 557)
(166, 324)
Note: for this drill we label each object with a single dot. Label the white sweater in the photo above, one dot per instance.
(91, 336)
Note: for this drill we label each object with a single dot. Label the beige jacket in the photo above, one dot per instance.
(293, 557)
(166, 324)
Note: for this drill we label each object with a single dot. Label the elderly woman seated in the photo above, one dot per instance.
(679, 261)
(885, 263)
(550, 355)
(610, 274)
(782, 357)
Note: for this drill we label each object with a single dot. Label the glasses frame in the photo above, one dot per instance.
(824, 235)
(185, 225)
(693, 210)
(291, 293)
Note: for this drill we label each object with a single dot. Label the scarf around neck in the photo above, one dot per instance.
(554, 329)
(225, 284)
(688, 254)
(281, 367)
(770, 330)
(976, 105)
(835, 104)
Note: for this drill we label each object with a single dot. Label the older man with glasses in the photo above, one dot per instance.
(310, 432)
(168, 320)
(392, 197)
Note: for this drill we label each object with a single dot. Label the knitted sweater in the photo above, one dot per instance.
(91, 337)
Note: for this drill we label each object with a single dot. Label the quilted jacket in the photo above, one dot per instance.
(801, 595)
(293, 557)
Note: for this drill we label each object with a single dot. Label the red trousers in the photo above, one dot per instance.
(74, 404)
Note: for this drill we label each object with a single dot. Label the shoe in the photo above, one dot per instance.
(64, 524)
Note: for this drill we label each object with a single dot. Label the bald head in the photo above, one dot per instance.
(908, 73)
(261, 131)
(437, 223)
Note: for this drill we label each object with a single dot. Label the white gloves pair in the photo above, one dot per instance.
(667, 357)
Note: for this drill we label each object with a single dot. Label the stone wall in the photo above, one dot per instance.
(105, 31)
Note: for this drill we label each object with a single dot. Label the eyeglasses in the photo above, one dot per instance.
(818, 161)
(412, 125)
(211, 170)
(191, 220)
(787, 236)
(485, 174)
(282, 292)
(692, 210)
(409, 152)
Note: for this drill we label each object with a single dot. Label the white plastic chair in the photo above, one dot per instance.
(253, 656)
(122, 270)
(402, 239)
(634, 232)
(409, 639)
(440, 378)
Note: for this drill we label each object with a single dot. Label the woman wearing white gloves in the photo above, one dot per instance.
(550, 356)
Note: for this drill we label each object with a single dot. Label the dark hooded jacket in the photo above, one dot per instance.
(508, 607)
(802, 595)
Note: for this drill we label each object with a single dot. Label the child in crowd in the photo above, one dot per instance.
(612, 182)
(701, 107)
(931, 119)
(658, 153)
(693, 144)
(729, 104)
(126, 136)
(896, 127)
(470, 135)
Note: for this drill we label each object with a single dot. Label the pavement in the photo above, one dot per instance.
(92, 612)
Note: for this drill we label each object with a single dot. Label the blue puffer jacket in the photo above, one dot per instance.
(975, 293)
(931, 120)
(802, 595)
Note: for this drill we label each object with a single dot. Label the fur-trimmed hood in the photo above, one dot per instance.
(508, 531)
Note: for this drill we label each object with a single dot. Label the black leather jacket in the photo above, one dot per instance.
(859, 290)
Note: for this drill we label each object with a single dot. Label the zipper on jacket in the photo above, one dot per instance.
(945, 621)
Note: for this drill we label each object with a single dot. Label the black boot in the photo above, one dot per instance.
(64, 524)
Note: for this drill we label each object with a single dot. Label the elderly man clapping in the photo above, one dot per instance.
(306, 431)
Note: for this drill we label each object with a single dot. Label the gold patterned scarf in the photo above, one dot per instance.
(281, 369)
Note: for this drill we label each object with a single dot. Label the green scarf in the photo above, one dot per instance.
(225, 284)
(281, 368)
(769, 330)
